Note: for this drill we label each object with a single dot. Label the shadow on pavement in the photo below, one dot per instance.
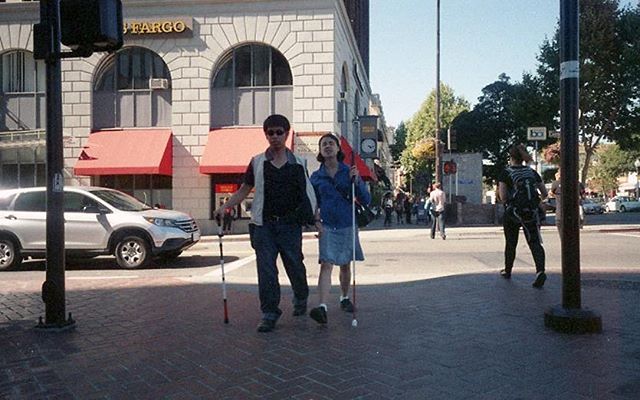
(468, 336)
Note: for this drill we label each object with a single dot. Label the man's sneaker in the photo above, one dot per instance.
(346, 305)
(540, 278)
(318, 314)
(299, 310)
(505, 274)
(266, 325)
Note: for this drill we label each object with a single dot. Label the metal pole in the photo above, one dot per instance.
(438, 149)
(570, 317)
(53, 289)
(569, 86)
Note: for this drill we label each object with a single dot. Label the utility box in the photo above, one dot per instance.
(89, 26)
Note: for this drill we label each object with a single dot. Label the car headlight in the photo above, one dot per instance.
(161, 221)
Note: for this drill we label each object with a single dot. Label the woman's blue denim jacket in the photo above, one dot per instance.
(334, 196)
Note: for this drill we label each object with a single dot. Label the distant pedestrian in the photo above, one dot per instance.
(387, 207)
(408, 208)
(227, 220)
(438, 199)
(332, 183)
(399, 206)
(283, 202)
(556, 191)
(520, 189)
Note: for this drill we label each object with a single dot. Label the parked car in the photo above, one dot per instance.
(622, 204)
(98, 221)
(591, 206)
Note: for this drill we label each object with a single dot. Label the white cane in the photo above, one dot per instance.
(354, 322)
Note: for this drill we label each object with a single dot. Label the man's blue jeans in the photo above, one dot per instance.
(269, 240)
(437, 218)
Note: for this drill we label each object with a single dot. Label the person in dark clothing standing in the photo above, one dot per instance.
(512, 180)
(283, 202)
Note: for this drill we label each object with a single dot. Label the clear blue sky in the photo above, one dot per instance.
(479, 40)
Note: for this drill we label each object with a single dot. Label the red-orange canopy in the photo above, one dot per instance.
(127, 152)
(229, 150)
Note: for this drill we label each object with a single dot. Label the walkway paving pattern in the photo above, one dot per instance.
(473, 336)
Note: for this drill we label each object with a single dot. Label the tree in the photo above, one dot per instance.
(499, 120)
(418, 155)
(612, 162)
(609, 75)
(399, 139)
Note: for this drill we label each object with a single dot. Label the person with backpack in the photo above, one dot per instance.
(521, 189)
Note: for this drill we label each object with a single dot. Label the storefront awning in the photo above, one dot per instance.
(127, 152)
(363, 169)
(229, 150)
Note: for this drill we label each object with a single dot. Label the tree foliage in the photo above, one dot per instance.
(399, 141)
(612, 161)
(499, 120)
(419, 151)
(609, 75)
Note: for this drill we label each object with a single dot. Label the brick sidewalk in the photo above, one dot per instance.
(460, 337)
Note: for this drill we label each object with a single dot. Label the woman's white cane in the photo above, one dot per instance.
(224, 284)
(354, 322)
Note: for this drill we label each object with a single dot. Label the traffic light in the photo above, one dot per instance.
(88, 26)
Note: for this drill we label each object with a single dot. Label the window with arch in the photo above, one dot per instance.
(22, 92)
(132, 89)
(251, 82)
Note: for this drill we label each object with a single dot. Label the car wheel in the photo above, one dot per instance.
(132, 252)
(622, 209)
(10, 257)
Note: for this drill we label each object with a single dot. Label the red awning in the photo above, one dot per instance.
(229, 150)
(363, 169)
(128, 152)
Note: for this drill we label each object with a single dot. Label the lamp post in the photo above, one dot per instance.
(636, 164)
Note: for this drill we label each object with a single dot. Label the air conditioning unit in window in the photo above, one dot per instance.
(158, 83)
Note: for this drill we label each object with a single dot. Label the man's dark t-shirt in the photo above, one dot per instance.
(284, 189)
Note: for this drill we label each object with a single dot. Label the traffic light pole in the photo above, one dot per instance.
(53, 289)
(570, 317)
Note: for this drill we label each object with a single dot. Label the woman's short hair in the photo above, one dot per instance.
(339, 156)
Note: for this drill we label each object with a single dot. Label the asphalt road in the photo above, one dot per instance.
(404, 253)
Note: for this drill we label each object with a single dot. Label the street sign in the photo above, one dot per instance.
(554, 134)
(537, 133)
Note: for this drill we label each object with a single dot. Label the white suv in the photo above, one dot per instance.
(98, 221)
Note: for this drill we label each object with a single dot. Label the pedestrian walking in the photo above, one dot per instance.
(283, 202)
(520, 189)
(438, 199)
(332, 183)
(387, 206)
(399, 207)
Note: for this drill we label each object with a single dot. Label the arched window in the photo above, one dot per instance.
(344, 87)
(251, 82)
(22, 92)
(132, 89)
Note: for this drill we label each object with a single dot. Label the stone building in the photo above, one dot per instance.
(175, 115)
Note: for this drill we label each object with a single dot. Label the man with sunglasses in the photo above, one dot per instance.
(283, 202)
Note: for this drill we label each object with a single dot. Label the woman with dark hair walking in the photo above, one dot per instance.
(520, 189)
(332, 183)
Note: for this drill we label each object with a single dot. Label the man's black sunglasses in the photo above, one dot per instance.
(278, 132)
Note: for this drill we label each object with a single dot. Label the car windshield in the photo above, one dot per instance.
(120, 200)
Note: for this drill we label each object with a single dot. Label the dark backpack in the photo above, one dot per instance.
(524, 199)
